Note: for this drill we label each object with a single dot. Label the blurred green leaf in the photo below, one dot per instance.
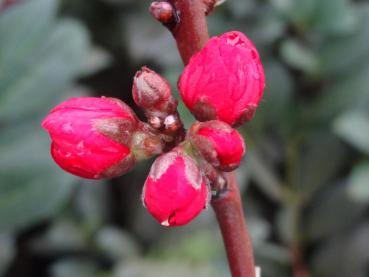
(95, 59)
(318, 162)
(148, 40)
(39, 59)
(268, 28)
(259, 229)
(92, 203)
(299, 56)
(286, 223)
(300, 13)
(347, 93)
(338, 55)
(31, 186)
(145, 267)
(198, 248)
(80, 267)
(45, 72)
(358, 181)
(240, 8)
(276, 111)
(23, 29)
(353, 127)
(278, 91)
(273, 260)
(323, 16)
(7, 252)
(345, 255)
(116, 244)
(118, 2)
(62, 236)
(333, 17)
(332, 213)
(262, 173)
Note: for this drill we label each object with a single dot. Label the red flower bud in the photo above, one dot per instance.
(175, 191)
(218, 143)
(224, 81)
(91, 136)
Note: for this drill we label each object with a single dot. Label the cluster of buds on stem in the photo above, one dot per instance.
(102, 137)
(180, 176)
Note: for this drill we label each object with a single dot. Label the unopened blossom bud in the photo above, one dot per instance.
(224, 81)
(91, 136)
(162, 11)
(175, 191)
(218, 143)
(153, 93)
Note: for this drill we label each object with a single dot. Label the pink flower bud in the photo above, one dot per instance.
(175, 191)
(218, 143)
(91, 136)
(224, 81)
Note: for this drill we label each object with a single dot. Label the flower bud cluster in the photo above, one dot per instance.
(102, 137)
(222, 86)
(176, 189)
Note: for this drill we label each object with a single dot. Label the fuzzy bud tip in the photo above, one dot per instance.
(150, 90)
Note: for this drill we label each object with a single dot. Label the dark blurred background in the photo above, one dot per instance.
(305, 178)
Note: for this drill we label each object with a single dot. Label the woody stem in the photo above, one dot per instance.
(229, 212)
(191, 34)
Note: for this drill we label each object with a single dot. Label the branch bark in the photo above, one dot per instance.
(191, 29)
(231, 219)
(191, 33)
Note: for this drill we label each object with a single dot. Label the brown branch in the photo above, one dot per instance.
(299, 268)
(231, 219)
(189, 28)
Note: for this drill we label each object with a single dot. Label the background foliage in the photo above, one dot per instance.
(305, 179)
